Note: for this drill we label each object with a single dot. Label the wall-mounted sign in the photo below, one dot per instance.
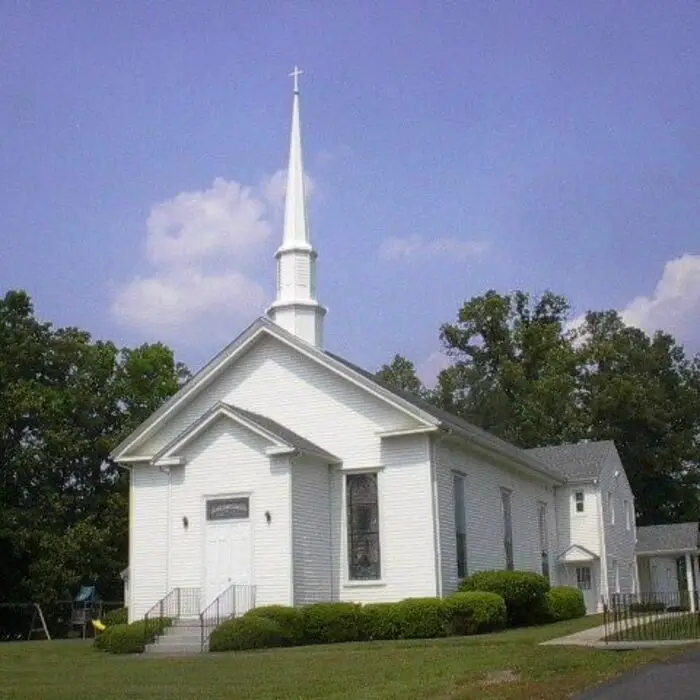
(227, 509)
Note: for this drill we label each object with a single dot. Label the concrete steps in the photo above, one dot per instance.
(183, 637)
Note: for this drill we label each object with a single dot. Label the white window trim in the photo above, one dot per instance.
(582, 501)
(345, 580)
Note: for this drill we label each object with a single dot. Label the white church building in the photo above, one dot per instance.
(288, 471)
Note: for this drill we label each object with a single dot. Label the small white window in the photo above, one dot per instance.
(578, 498)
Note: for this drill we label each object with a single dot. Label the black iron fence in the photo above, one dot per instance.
(236, 600)
(27, 621)
(652, 616)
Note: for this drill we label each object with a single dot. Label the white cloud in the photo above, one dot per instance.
(275, 188)
(204, 248)
(225, 220)
(187, 297)
(415, 246)
(429, 369)
(674, 305)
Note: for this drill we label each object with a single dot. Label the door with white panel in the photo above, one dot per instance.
(228, 551)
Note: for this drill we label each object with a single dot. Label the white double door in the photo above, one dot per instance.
(228, 560)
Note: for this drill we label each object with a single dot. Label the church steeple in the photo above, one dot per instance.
(296, 307)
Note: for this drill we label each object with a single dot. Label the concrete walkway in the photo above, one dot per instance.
(595, 637)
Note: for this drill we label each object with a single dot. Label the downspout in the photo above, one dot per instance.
(168, 531)
(603, 550)
(130, 544)
(436, 519)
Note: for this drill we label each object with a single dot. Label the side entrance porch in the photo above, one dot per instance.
(580, 568)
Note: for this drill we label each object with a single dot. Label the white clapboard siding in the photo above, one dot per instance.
(484, 479)
(311, 531)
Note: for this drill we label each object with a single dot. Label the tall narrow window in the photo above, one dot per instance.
(611, 506)
(544, 538)
(458, 486)
(364, 560)
(578, 500)
(507, 527)
(628, 523)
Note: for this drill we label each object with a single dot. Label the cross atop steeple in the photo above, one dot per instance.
(295, 74)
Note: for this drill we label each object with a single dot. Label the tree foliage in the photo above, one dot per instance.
(521, 371)
(65, 402)
(400, 374)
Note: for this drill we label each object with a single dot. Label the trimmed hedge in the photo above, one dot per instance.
(247, 632)
(289, 620)
(129, 639)
(650, 607)
(120, 616)
(423, 618)
(565, 603)
(331, 623)
(475, 612)
(524, 592)
(382, 621)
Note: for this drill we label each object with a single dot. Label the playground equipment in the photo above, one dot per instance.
(87, 605)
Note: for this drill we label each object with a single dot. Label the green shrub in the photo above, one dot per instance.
(423, 618)
(565, 603)
(290, 621)
(475, 612)
(120, 616)
(649, 607)
(382, 621)
(524, 592)
(247, 632)
(123, 638)
(130, 639)
(329, 623)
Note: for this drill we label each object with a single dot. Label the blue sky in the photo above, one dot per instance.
(452, 147)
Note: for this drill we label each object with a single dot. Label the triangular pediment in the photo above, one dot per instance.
(576, 553)
(279, 438)
(134, 448)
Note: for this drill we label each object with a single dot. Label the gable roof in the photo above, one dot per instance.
(576, 461)
(449, 420)
(421, 411)
(277, 434)
(667, 538)
(261, 326)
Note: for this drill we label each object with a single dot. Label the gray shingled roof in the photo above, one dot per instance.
(667, 538)
(284, 433)
(581, 460)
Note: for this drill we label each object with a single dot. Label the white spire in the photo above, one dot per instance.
(296, 307)
(296, 223)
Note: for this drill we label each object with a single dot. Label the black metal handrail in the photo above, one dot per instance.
(235, 600)
(178, 603)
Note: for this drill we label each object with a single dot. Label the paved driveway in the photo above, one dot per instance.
(675, 679)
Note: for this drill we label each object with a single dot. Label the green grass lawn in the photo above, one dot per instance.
(669, 627)
(508, 665)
